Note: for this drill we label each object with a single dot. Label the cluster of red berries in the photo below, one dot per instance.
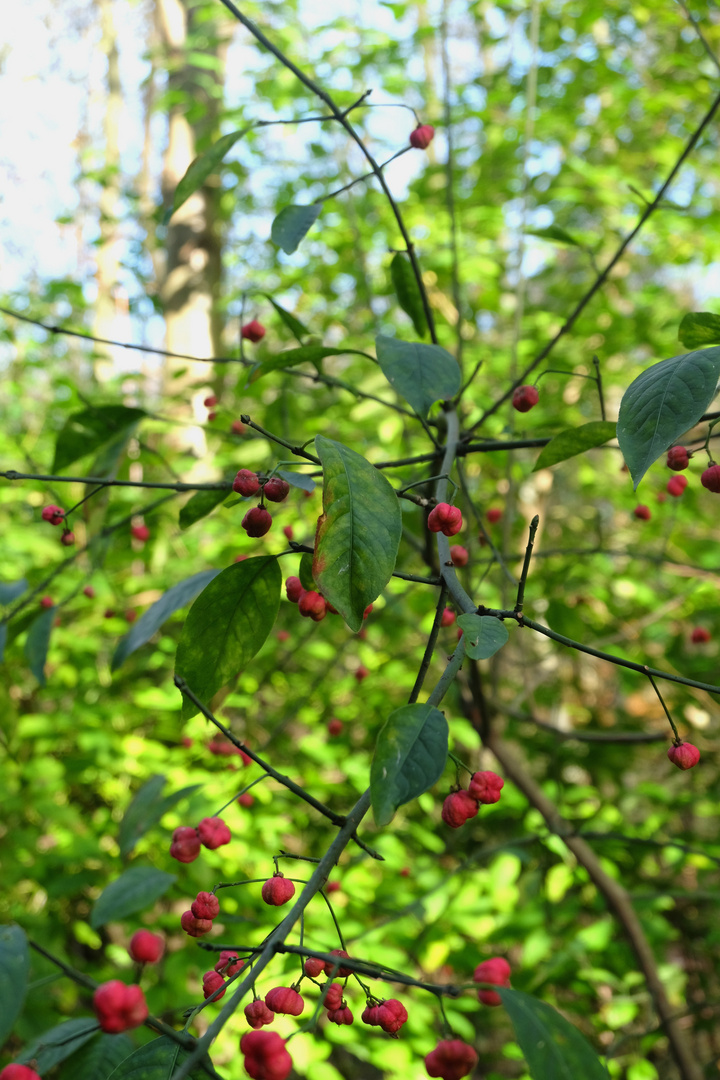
(198, 919)
(265, 1055)
(460, 806)
(228, 964)
(525, 398)
(210, 402)
(224, 748)
(212, 832)
(684, 755)
(56, 516)
(119, 1007)
(312, 604)
(258, 521)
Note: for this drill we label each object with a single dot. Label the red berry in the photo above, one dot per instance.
(109, 613)
(47, 602)
(486, 787)
(213, 832)
(684, 755)
(494, 514)
(312, 605)
(278, 890)
(313, 967)
(253, 331)
(19, 1072)
(448, 617)
(283, 635)
(288, 532)
(257, 1013)
(265, 1055)
(340, 1016)
(229, 963)
(334, 996)
(458, 808)
(185, 846)
(146, 948)
(642, 512)
(700, 634)
(451, 1059)
(67, 538)
(370, 1015)
(212, 981)
(676, 485)
(257, 521)
(445, 519)
(193, 926)
(391, 1015)
(496, 971)
(210, 401)
(459, 555)
(205, 906)
(246, 482)
(335, 726)
(361, 673)
(525, 398)
(237, 427)
(677, 458)
(246, 799)
(119, 1007)
(89, 592)
(54, 514)
(332, 969)
(332, 886)
(405, 872)
(276, 489)
(212, 415)
(422, 136)
(710, 479)
(140, 532)
(293, 589)
(130, 616)
(283, 999)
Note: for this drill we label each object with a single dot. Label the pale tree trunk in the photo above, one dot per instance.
(190, 283)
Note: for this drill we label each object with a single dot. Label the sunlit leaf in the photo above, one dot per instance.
(407, 291)
(87, 431)
(410, 756)
(296, 328)
(135, 890)
(200, 505)
(146, 809)
(311, 354)
(556, 234)
(422, 374)
(699, 328)
(201, 167)
(575, 441)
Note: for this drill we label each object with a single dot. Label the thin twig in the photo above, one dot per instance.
(526, 566)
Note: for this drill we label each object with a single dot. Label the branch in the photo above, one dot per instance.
(218, 485)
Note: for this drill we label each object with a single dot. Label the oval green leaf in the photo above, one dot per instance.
(146, 809)
(575, 441)
(292, 224)
(53, 1046)
(85, 432)
(296, 480)
(157, 1060)
(37, 643)
(138, 888)
(227, 625)
(200, 505)
(311, 354)
(296, 328)
(410, 756)
(358, 533)
(97, 1059)
(699, 328)
(551, 1045)
(11, 590)
(422, 374)
(484, 635)
(14, 971)
(201, 167)
(174, 599)
(555, 234)
(663, 403)
(407, 291)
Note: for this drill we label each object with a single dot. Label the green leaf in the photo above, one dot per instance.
(157, 1060)
(138, 888)
(358, 534)
(85, 432)
(422, 374)
(484, 635)
(305, 572)
(53, 1046)
(296, 328)
(98, 1058)
(296, 480)
(699, 328)
(575, 441)
(107, 461)
(14, 971)
(556, 234)
(204, 165)
(553, 1048)
(11, 590)
(200, 505)
(408, 292)
(37, 643)
(292, 224)
(151, 621)
(146, 809)
(227, 625)
(311, 354)
(663, 403)
(410, 755)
